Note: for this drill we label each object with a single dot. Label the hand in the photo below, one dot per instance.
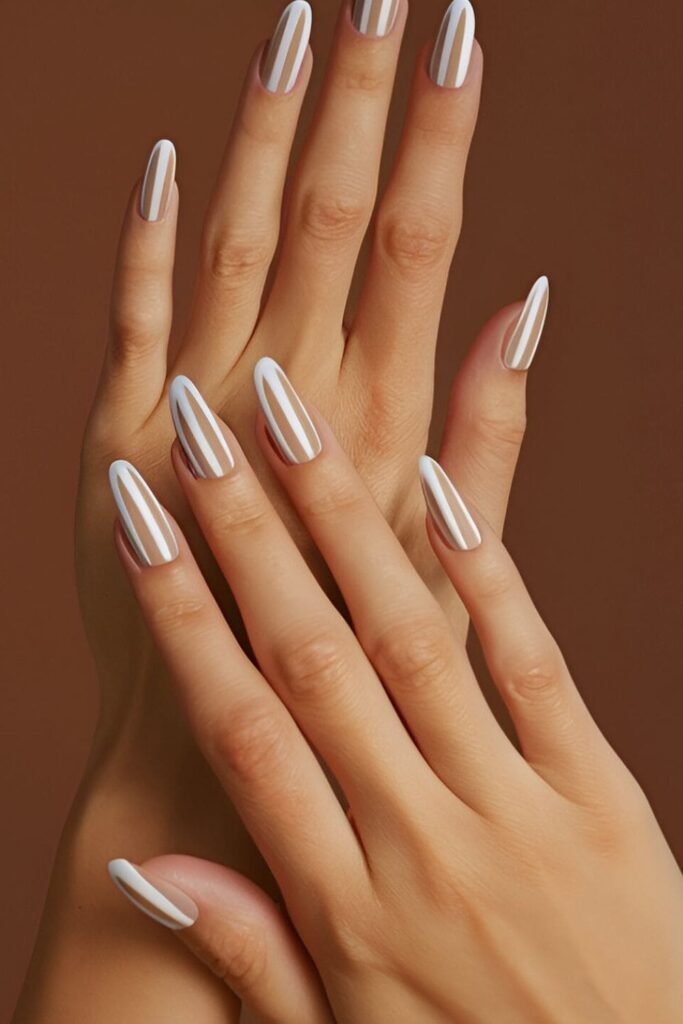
(467, 881)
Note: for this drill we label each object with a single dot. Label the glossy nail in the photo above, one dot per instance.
(521, 348)
(448, 511)
(286, 50)
(199, 432)
(289, 424)
(141, 515)
(374, 17)
(453, 48)
(155, 897)
(157, 184)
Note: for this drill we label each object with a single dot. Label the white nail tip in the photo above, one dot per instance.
(149, 899)
(203, 442)
(446, 507)
(453, 48)
(528, 330)
(284, 65)
(142, 517)
(288, 422)
(158, 180)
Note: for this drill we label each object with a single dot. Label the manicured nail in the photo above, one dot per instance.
(157, 185)
(446, 508)
(199, 432)
(521, 348)
(374, 17)
(155, 897)
(287, 48)
(289, 424)
(453, 48)
(141, 515)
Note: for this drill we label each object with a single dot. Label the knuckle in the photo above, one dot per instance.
(177, 612)
(437, 131)
(361, 76)
(314, 666)
(242, 515)
(332, 216)
(499, 432)
(230, 259)
(240, 958)
(536, 676)
(335, 496)
(493, 582)
(416, 655)
(251, 743)
(414, 243)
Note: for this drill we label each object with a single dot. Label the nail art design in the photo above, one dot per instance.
(158, 899)
(374, 17)
(157, 184)
(289, 424)
(286, 50)
(446, 508)
(199, 432)
(521, 348)
(453, 48)
(141, 515)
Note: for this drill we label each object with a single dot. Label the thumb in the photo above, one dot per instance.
(235, 929)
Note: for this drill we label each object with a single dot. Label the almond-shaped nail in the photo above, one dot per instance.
(199, 432)
(374, 17)
(142, 517)
(521, 348)
(289, 424)
(453, 47)
(157, 184)
(286, 50)
(157, 898)
(448, 511)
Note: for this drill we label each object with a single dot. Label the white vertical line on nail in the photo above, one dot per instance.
(123, 475)
(268, 370)
(384, 15)
(292, 14)
(179, 402)
(166, 151)
(528, 317)
(128, 879)
(433, 481)
(456, 10)
(383, 26)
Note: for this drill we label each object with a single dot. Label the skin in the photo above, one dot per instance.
(368, 368)
(468, 881)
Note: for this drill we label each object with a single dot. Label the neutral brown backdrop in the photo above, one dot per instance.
(575, 172)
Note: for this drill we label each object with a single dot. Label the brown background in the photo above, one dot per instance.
(575, 173)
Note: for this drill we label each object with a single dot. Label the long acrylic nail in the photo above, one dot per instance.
(141, 515)
(289, 424)
(374, 17)
(198, 431)
(453, 47)
(160, 900)
(286, 50)
(448, 511)
(157, 184)
(521, 348)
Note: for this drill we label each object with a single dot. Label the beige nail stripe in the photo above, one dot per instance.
(287, 48)
(199, 432)
(521, 348)
(160, 900)
(158, 182)
(375, 17)
(447, 509)
(453, 48)
(141, 515)
(289, 423)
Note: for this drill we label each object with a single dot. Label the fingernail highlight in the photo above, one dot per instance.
(374, 17)
(286, 50)
(158, 899)
(289, 424)
(157, 184)
(198, 431)
(521, 348)
(448, 511)
(453, 47)
(141, 516)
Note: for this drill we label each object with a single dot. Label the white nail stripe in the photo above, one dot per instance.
(123, 871)
(179, 400)
(533, 303)
(457, 9)
(433, 481)
(382, 21)
(122, 475)
(267, 369)
(292, 14)
(166, 153)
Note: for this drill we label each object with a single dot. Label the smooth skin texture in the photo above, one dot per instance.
(468, 881)
(370, 369)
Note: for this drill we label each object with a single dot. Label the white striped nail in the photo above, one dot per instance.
(453, 47)
(289, 424)
(521, 348)
(155, 897)
(448, 511)
(374, 17)
(157, 184)
(287, 49)
(198, 431)
(141, 515)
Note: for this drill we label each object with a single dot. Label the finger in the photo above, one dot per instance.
(420, 215)
(487, 409)
(243, 220)
(244, 731)
(403, 630)
(334, 189)
(302, 644)
(558, 736)
(141, 308)
(235, 929)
